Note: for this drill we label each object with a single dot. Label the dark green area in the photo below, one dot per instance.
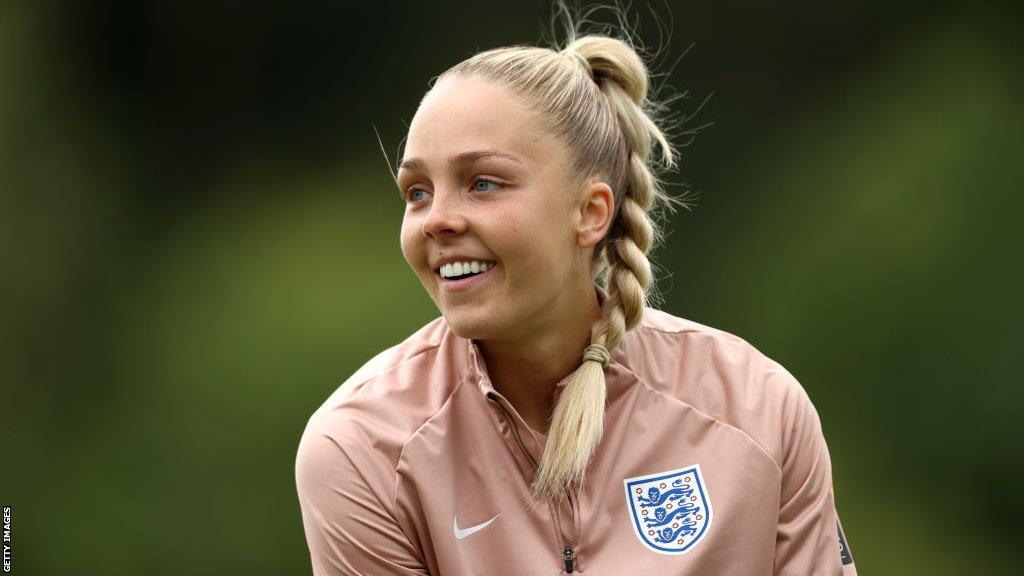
(200, 242)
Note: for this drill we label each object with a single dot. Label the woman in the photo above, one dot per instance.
(545, 423)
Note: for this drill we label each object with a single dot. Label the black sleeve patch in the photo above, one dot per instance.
(844, 550)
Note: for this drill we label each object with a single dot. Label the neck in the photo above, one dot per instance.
(525, 370)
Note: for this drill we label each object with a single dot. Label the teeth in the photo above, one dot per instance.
(460, 268)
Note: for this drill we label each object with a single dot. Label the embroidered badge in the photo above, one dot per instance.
(671, 510)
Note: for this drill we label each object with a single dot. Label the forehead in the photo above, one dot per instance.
(462, 114)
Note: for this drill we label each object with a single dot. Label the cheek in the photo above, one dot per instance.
(505, 235)
(527, 242)
(411, 248)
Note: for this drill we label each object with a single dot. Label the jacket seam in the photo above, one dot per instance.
(666, 331)
(414, 433)
(393, 512)
(701, 328)
(394, 494)
(395, 365)
(692, 406)
(715, 418)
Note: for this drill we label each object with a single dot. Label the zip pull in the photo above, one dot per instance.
(570, 557)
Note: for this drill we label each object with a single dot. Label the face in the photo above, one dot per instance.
(483, 181)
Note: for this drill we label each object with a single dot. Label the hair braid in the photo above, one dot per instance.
(630, 270)
(577, 423)
(594, 93)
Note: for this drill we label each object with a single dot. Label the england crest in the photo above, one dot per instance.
(670, 511)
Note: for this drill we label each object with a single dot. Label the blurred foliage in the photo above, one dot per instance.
(200, 242)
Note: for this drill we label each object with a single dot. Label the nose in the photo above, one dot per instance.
(445, 216)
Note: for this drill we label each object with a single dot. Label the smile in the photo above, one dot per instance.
(465, 282)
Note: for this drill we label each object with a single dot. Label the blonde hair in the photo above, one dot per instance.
(593, 91)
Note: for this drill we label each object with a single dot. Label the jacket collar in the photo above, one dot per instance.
(478, 369)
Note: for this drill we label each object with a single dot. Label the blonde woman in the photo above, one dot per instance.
(549, 421)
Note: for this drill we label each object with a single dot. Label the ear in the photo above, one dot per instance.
(597, 206)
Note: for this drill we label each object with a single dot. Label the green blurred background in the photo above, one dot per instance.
(200, 243)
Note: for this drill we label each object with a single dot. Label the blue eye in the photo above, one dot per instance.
(482, 181)
(408, 195)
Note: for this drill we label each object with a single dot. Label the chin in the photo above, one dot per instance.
(471, 327)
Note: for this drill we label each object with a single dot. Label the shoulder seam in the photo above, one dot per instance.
(392, 512)
(715, 418)
(712, 332)
(414, 433)
(696, 329)
(392, 366)
(371, 377)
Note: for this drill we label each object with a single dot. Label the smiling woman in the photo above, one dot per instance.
(548, 412)
(485, 181)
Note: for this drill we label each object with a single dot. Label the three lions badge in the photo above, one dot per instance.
(671, 510)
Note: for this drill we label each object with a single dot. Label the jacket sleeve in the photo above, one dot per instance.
(809, 540)
(350, 529)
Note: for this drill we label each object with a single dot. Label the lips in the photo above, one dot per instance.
(463, 284)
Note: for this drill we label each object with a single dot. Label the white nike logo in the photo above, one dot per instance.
(460, 534)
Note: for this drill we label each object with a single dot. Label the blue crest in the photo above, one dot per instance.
(670, 511)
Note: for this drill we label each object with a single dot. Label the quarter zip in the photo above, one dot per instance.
(574, 508)
(568, 550)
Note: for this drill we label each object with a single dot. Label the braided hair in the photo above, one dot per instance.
(594, 94)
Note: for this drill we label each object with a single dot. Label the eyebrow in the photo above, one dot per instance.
(460, 158)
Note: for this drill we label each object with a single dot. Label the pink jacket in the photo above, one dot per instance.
(712, 462)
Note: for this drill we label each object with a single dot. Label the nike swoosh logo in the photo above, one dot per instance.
(460, 534)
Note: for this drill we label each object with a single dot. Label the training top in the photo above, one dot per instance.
(712, 461)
